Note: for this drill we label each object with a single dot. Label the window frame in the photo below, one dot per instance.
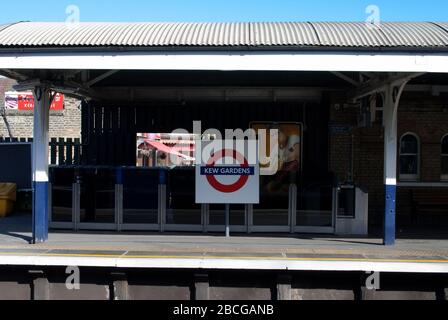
(410, 177)
(443, 176)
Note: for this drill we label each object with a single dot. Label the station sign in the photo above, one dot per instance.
(227, 173)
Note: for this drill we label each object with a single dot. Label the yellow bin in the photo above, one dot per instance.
(8, 193)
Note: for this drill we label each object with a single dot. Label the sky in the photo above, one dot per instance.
(223, 10)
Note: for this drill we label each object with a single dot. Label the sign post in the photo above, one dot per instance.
(227, 173)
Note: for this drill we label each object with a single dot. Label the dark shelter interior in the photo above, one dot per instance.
(110, 126)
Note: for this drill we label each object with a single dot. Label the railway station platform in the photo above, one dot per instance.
(258, 252)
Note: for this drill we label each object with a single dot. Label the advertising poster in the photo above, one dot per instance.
(25, 101)
(288, 161)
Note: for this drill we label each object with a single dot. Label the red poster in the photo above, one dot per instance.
(26, 102)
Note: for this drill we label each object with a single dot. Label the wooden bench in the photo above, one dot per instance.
(429, 204)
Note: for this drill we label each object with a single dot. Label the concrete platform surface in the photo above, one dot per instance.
(290, 252)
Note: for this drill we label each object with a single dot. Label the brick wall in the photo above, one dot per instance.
(420, 113)
(66, 123)
(426, 116)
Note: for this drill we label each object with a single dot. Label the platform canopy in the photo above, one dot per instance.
(83, 58)
(301, 46)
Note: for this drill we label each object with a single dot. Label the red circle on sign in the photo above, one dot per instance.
(227, 188)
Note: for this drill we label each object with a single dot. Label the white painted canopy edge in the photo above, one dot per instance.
(235, 61)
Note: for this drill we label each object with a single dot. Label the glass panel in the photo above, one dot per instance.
(165, 150)
(140, 195)
(273, 209)
(274, 200)
(181, 206)
(445, 145)
(445, 165)
(97, 195)
(408, 165)
(409, 144)
(315, 202)
(217, 215)
(62, 185)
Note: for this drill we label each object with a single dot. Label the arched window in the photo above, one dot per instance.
(409, 157)
(444, 167)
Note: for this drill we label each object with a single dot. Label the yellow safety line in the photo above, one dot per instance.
(220, 258)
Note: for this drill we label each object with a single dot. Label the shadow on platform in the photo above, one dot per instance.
(16, 227)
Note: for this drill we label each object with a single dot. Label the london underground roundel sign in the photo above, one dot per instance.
(235, 184)
(244, 171)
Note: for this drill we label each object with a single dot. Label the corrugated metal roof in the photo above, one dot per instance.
(403, 34)
(282, 33)
(4, 26)
(443, 25)
(126, 34)
(416, 34)
(349, 35)
(294, 34)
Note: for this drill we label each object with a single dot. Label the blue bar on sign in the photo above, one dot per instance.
(227, 171)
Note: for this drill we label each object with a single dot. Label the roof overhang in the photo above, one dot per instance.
(229, 61)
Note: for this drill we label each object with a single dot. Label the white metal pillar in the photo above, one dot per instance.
(42, 102)
(392, 96)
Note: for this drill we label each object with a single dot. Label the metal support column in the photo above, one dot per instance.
(42, 102)
(162, 199)
(292, 207)
(392, 96)
(119, 198)
(227, 220)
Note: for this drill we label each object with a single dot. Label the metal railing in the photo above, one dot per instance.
(63, 151)
(158, 207)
